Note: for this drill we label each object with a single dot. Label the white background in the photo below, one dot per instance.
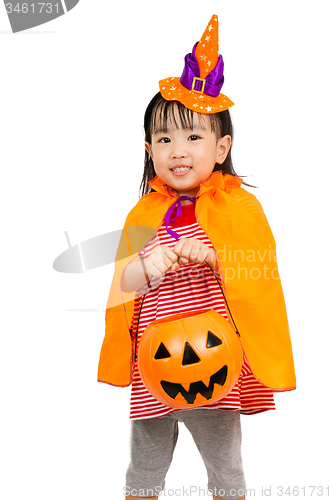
(73, 95)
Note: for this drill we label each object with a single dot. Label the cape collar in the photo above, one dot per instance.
(216, 181)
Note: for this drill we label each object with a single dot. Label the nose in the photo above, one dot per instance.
(179, 150)
(190, 356)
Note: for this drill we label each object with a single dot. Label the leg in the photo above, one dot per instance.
(142, 498)
(217, 435)
(152, 444)
(219, 498)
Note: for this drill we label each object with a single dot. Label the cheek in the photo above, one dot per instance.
(160, 170)
(207, 155)
(207, 162)
(159, 159)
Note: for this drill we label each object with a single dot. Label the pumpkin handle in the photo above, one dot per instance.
(148, 283)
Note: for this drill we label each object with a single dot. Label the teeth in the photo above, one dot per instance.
(181, 169)
(186, 387)
(206, 381)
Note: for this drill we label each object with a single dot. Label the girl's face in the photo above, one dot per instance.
(183, 158)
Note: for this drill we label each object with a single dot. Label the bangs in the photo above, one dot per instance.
(171, 114)
(175, 115)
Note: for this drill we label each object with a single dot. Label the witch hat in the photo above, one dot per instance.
(199, 86)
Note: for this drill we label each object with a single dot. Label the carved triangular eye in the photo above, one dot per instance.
(162, 352)
(190, 356)
(212, 340)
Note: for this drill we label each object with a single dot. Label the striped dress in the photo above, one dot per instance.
(191, 288)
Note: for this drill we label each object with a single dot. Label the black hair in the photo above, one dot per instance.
(160, 111)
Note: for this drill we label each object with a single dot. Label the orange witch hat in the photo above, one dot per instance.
(199, 86)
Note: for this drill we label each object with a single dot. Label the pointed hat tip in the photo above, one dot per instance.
(207, 50)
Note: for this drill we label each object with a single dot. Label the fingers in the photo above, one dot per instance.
(161, 259)
(188, 248)
(191, 250)
(170, 254)
(203, 253)
(175, 267)
(164, 258)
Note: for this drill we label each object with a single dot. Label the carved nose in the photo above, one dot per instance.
(190, 357)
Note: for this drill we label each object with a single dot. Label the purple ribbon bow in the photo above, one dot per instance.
(167, 216)
(213, 81)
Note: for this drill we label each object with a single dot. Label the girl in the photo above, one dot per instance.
(189, 185)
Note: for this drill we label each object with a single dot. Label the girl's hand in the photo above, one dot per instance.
(193, 250)
(161, 259)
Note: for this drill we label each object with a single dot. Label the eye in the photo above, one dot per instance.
(212, 340)
(162, 352)
(164, 140)
(193, 137)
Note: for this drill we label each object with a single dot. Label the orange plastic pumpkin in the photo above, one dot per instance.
(190, 359)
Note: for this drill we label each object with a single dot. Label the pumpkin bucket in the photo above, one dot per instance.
(191, 359)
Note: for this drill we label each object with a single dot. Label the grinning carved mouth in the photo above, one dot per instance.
(172, 389)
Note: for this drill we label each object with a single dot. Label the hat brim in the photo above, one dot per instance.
(172, 90)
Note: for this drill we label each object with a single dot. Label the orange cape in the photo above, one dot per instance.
(235, 222)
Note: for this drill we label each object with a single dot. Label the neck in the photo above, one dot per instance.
(186, 202)
(191, 193)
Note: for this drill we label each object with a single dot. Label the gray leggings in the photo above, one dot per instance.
(217, 435)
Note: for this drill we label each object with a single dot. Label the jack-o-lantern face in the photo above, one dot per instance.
(191, 359)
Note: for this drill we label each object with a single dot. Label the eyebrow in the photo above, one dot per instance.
(161, 130)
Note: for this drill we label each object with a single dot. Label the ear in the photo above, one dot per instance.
(223, 146)
(148, 149)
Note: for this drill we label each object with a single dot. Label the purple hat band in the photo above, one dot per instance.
(213, 81)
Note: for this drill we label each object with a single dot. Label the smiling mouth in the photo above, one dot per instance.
(181, 169)
(172, 389)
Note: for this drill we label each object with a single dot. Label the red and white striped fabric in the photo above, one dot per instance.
(190, 288)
